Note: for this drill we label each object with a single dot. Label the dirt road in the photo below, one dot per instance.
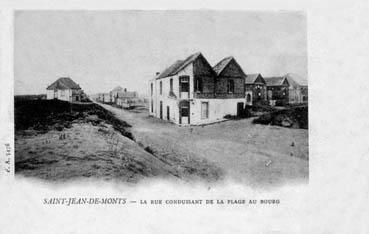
(248, 153)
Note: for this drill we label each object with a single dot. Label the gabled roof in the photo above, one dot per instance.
(275, 81)
(170, 70)
(251, 78)
(222, 64)
(219, 67)
(293, 83)
(178, 66)
(63, 83)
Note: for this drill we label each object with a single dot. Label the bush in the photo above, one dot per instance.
(294, 117)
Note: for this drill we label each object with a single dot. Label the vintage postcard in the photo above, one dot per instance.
(180, 95)
(193, 111)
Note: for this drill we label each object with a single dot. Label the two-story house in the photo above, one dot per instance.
(190, 92)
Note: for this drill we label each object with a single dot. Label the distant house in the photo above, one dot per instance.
(105, 98)
(296, 92)
(304, 93)
(191, 92)
(277, 90)
(115, 91)
(120, 96)
(256, 90)
(65, 89)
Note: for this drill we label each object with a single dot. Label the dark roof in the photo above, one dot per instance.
(274, 81)
(170, 70)
(178, 66)
(63, 83)
(219, 67)
(251, 78)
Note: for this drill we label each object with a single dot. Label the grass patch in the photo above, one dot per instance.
(46, 115)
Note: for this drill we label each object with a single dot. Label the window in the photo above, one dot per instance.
(161, 87)
(248, 97)
(152, 105)
(230, 86)
(198, 85)
(171, 85)
(184, 83)
(152, 88)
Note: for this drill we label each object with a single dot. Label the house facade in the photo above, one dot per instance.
(191, 92)
(277, 90)
(105, 98)
(297, 93)
(65, 89)
(255, 88)
(115, 93)
(304, 93)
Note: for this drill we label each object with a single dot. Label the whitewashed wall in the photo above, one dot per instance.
(218, 108)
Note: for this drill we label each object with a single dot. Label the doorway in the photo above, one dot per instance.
(184, 112)
(239, 108)
(168, 113)
(161, 109)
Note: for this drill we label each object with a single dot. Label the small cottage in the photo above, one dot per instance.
(277, 90)
(65, 89)
(255, 87)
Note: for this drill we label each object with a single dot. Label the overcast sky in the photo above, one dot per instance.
(103, 49)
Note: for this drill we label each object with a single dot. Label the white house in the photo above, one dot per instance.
(191, 92)
(65, 89)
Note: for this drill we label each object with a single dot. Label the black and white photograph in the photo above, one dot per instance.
(192, 96)
(170, 116)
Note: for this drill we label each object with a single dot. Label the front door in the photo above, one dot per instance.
(161, 109)
(168, 115)
(239, 108)
(184, 112)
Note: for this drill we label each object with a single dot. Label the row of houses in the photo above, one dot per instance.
(192, 92)
(274, 90)
(120, 97)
